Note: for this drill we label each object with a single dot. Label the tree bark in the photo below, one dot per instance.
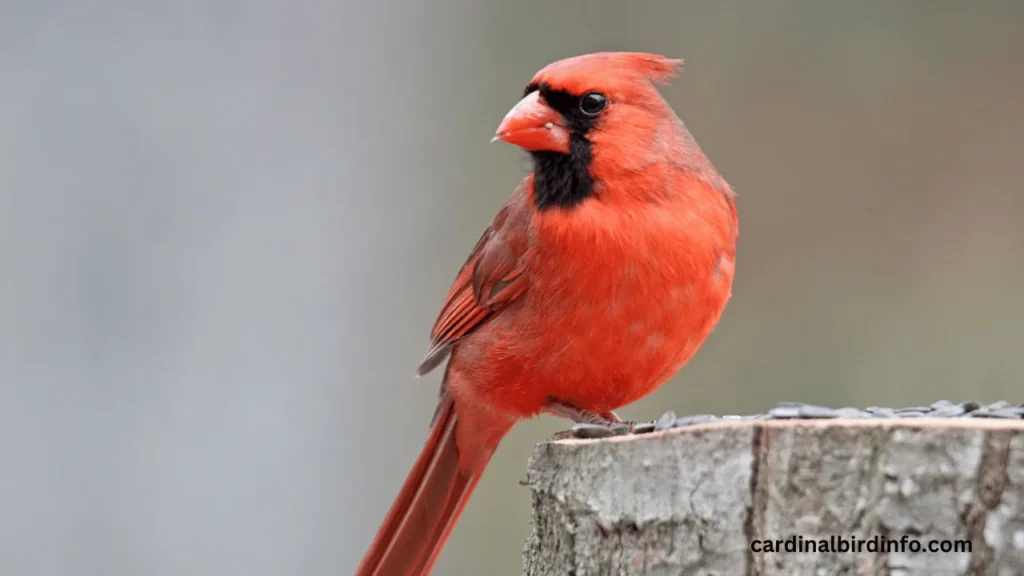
(692, 500)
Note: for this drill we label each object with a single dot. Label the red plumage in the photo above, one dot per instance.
(597, 281)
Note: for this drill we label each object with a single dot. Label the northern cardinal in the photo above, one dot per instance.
(596, 282)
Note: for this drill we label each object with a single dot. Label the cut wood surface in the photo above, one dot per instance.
(692, 500)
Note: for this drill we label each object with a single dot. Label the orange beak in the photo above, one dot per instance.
(533, 125)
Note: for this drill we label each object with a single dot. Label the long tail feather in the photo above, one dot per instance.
(424, 512)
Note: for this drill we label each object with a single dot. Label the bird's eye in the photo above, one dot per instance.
(593, 103)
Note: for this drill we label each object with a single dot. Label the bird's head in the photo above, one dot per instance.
(597, 111)
(584, 96)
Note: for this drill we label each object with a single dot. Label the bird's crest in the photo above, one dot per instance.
(576, 73)
(656, 68)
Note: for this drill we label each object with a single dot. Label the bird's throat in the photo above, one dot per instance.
(562, 180)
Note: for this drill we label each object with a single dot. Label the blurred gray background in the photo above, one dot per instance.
(226, 228)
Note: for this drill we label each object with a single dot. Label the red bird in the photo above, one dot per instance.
(597, 281)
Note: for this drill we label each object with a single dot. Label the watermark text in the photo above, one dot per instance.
(878, 544)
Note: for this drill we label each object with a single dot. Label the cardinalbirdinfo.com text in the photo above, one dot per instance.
(877, 544)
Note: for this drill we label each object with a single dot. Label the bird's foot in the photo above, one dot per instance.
(586, 430)
(580, 416)
(592, 424)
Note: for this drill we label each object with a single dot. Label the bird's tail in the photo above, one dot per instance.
(410, 539)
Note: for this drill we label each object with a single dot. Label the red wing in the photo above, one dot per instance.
(493, 276)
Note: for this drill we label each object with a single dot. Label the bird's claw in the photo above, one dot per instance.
(592, 426)
(562, 435)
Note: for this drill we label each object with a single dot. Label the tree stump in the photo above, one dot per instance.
(693, 500)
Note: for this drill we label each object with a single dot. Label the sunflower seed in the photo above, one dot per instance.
(880, 412)
(620, 429)
(665, 421)
(951, 411)
(812, 411)
(784, 412)
(693, 420)
(586, 430)
(643, 428)
(1001, 414)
